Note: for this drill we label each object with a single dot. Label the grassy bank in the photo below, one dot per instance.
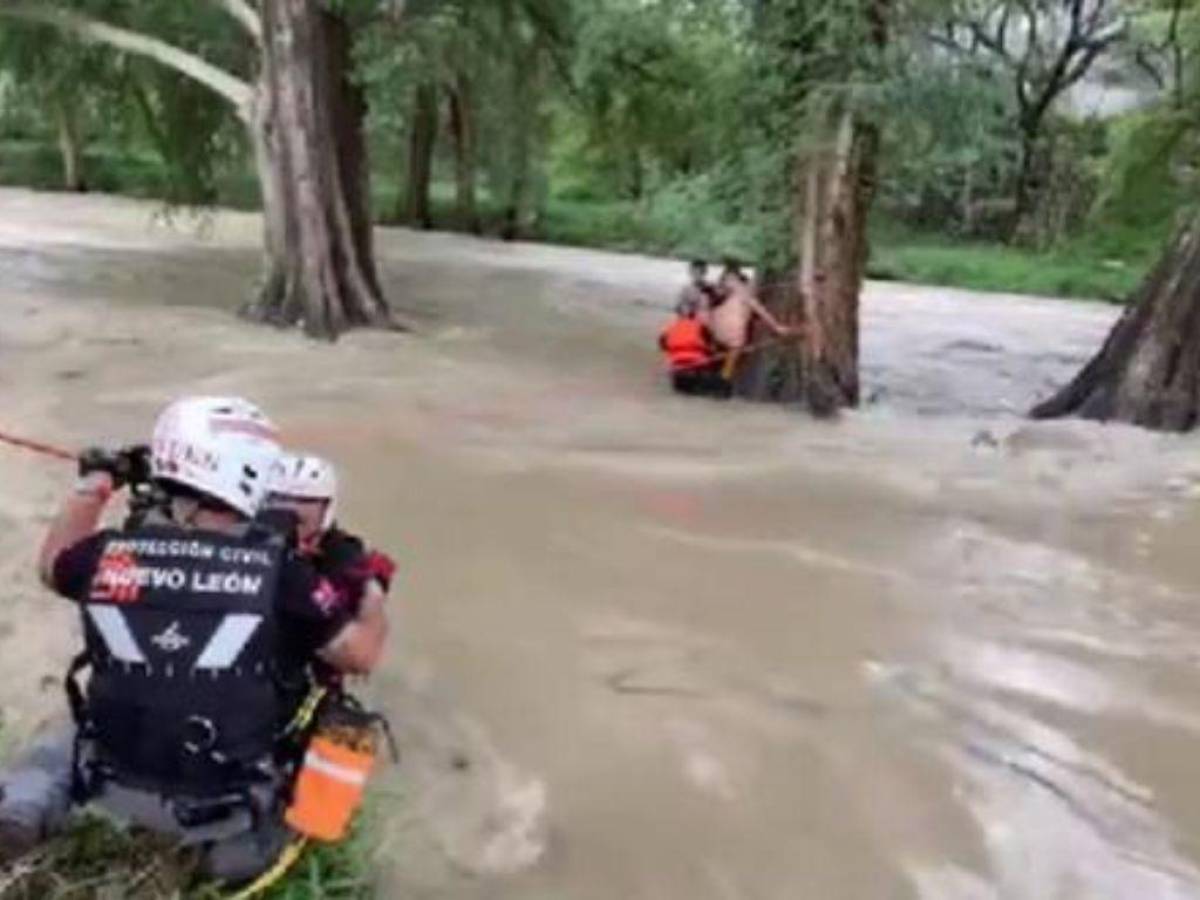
(1104, 265)
(95, 861)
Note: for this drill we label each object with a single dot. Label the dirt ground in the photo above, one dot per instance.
(653, 648)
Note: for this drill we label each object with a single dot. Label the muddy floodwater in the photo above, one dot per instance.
(654, 648)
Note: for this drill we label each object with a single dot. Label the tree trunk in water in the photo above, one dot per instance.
(1148, 371)
(415, 208)
(349, 107)
(462, 127)
(834, 187)
(319, 268)
(69, 144)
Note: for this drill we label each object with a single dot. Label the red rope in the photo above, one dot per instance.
(37, 447)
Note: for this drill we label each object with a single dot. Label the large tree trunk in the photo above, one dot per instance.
(422, 138)
(1148, 371)
(463, 131)
(319, 266)
(349, 107)
(833, 179)
(69, 144)
(834, 186)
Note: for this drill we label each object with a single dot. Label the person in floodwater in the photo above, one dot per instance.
(736, 309)
(691, 354)
(699, 293)
(305, 486)
(200, 628)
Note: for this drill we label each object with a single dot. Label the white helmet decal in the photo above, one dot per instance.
(223, 447)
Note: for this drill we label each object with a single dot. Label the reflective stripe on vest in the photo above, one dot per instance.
(221, 652)
(229, 640)
(117, 635)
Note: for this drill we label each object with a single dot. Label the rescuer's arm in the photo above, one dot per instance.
(76, 520)
(358, 647)
(765, 314)
(101, 472)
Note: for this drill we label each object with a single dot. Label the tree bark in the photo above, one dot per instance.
(415, 208)
(318, 271)
(463, 132)
(349, 107)
(1148, 371)
(69, 145)
(1030, 186)
(833, 185)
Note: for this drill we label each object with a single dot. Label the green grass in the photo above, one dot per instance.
(1106, 262)
(1078, 271)
(93, 860)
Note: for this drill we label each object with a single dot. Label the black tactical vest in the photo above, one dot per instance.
(186, 695)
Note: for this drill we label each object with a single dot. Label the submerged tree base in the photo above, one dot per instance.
(1148, 371)
(277, 304)
(787, 370)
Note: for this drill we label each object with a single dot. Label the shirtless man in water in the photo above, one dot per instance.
(730, 317)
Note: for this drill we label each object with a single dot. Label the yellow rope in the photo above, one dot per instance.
(291, 853)
(269, 878)
(308, 709)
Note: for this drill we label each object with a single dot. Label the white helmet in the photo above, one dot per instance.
(223, 447)
(299, 476)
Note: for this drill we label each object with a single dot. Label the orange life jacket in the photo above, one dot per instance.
(685, 345)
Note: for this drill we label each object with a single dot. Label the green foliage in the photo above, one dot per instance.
(126, 101)
(1151, 169)
(1085, 268)
(648, 85)
(948, 145)
(118, 169)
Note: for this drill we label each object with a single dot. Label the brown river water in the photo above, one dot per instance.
(654, 648)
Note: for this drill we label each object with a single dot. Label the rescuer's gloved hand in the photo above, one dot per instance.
(379, 566)
(124, 466)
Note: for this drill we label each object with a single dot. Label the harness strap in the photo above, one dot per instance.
(75, 693)
(82, 784)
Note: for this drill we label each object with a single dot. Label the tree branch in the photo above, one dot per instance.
(1090, 52)
(1142, 60)
(246, 15)
(232, 88)
(985, 40)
